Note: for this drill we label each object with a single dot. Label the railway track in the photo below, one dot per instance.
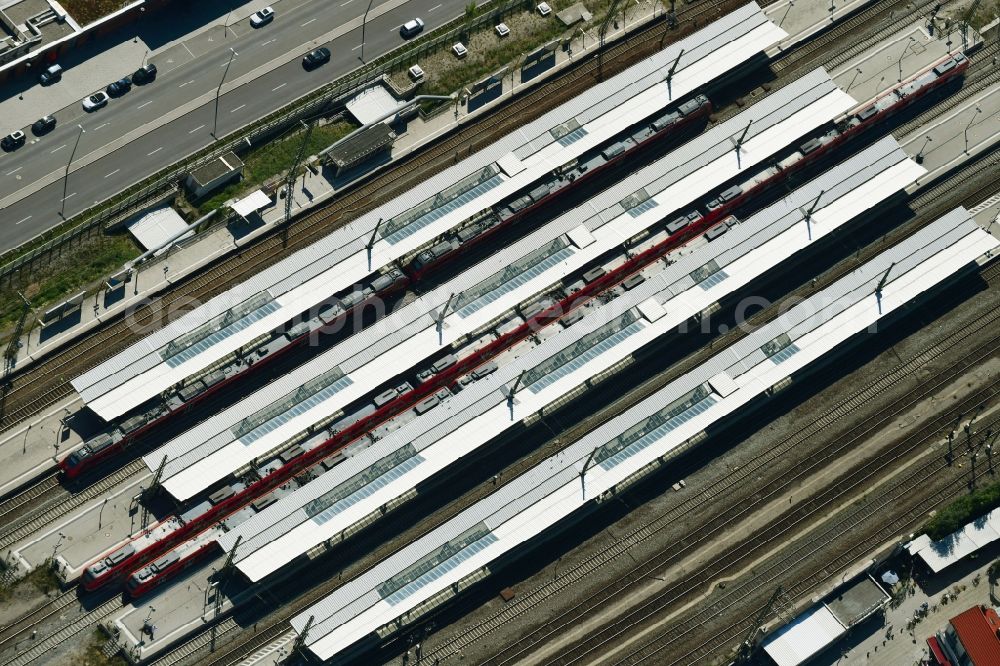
(810, 54)
(56, 501)
(727, 487)
(87, 621)
(11, 632)
(664, 649)
(977, 79)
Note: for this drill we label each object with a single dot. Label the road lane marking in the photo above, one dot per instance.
(145, 104)
(434, 7)
(237, 108)
(280, 86)
(112, 173)
(268, 42)
(196, 129)
(356, 47)
(185, 84)
(155, 151)
(347, 3)
(100, 126)
(308, 22)
(58, 149)
(24, 220)
(69, 196)
(11, 173)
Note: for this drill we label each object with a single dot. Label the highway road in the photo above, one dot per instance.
(121, 143)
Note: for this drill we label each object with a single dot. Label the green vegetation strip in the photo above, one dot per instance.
(275, 158)
(962, 511)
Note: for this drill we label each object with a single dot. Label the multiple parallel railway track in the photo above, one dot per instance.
(48, 383)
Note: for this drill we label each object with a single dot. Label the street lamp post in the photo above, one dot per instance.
(364, 23)
(857, 73)
(920, 155)
(903, 55)
(969, 126)
(62, 209)
(218, 91)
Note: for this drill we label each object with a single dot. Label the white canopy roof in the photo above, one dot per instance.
(251, 203)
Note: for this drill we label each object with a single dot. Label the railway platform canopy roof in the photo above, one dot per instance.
(647, 435)
(354, 490)
(305, 279)
(938, 555)
(213, 449)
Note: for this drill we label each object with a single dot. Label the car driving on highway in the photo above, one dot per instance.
(314, 59)
(95, 101)
(262, 18)
(411, 28)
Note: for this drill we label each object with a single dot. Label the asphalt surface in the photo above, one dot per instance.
(95, 176)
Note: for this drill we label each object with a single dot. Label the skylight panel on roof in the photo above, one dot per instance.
(516, 274)
(586, 349)
(307, 396)
(436, 564)
(654, 428)
(218, 328)
(406, 224)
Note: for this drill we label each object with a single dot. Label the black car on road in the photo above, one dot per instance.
(144, 75)
(43, 125)
(314, 59)
(12, 141)
(120, 87)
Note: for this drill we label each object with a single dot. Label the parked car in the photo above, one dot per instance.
(144, 75)
(314, 59)
(544, 9)
(43, 125)
(120, 87)
(502, 30)
(262, 18)
(51, 74)
(459, 50)
(411, 28)
(12, 141)
(95, 101)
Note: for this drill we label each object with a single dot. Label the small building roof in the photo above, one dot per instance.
(857, 602)
(208, 173)
(362, 144)
(371, 104)
(154, 228)
(251, 203)
(977, 629)
(804, 636)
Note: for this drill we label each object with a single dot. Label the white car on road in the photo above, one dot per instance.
(263, 17)
(95, 101)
